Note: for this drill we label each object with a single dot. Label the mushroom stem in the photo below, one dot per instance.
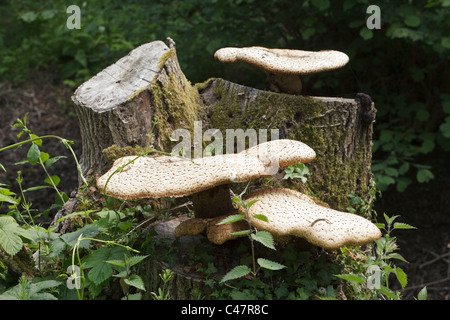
(285, 83)
(212, 202)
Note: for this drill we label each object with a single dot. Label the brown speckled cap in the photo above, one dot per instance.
(167, 176)
(285, 61)
(281, 153)
(290, 213)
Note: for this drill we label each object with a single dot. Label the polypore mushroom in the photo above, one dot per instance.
(169, 176)
(290, 212)
(206, 180)
(281, 153)
(284, 66)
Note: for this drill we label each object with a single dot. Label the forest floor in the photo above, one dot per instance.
(425, 206)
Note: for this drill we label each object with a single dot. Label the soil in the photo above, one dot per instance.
(425, 206)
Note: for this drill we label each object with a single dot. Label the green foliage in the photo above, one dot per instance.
(163, 293)
(70, 255)
(11, 235)
(31, 290)
(262, 237)
(297, 171)
(375, 267)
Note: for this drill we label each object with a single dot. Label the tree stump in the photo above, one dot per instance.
(119, 105)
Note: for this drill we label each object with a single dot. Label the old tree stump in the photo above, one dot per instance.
(118, 106)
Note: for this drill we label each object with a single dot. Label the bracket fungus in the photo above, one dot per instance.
(205, 179)
(284, 66)
(290, 212)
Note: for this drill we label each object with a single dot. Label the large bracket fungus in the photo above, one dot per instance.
(292, 213)
(205, 179)
(284, 66)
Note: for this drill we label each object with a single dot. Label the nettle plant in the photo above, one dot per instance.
(263, 237)
(73, 265)
(369, 272)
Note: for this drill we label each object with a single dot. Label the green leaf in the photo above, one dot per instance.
(10, 233)
(366, 33)
(388, 293)
(55, 179)
(51, 161)
(88, 231)
(261, 217)
(445, 129)
(412, 21)
(96, 260)
(265, 238)
(44, 156)
(401, 225)
(321, 4)
(5, 196)
(403, 183)
(445, 42)
(401, 277)
(236, 272)
(423, 294)
(232, 218)
(29, 16)
(136, 259)
(250, 203)
(268, 264)
(308, 33)
(395, 256)
(424, 175)
(38, 141)
(134, 296)
(352, 277)
(33, 154)
(135, 281)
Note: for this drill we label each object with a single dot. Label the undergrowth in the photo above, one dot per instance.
(100, 257)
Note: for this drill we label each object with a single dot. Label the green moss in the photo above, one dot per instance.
(177, 104)
(114, 152)
(294, 117)
(170, 54)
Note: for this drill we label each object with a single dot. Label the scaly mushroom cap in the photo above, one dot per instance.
(288, 213)
(168, 176)
(281, 153)
(285, 61)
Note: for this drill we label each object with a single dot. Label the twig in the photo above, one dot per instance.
(428, 284)
(438, 257)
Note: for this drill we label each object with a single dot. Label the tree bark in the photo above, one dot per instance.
(119, 106)
(339, 130)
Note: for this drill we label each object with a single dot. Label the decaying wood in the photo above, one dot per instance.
(119, 105)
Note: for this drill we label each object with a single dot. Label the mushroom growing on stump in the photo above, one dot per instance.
(206, 179)
(284, 66)
(170, 176)
(290, 212)
(272, 155)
